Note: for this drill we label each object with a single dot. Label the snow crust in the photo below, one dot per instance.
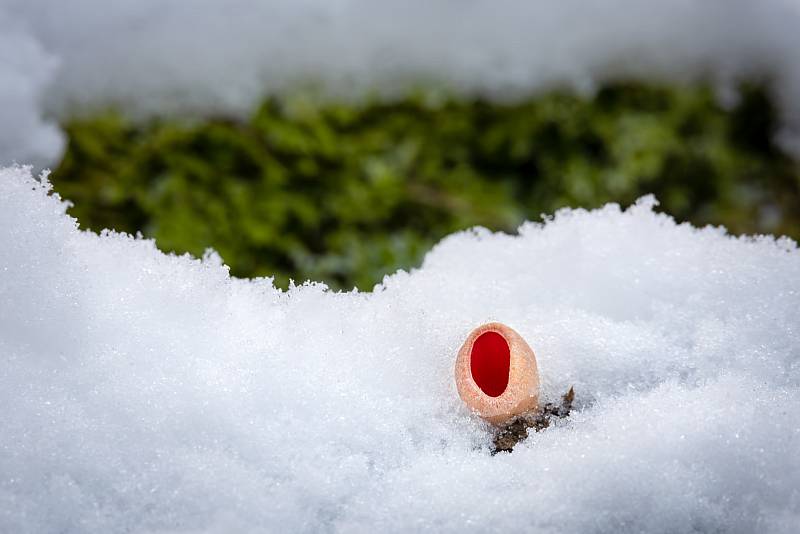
(207, 57)
(144, 392)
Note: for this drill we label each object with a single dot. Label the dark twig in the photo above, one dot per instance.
(517, 429)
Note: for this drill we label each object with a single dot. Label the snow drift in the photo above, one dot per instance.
(205, 56)
(144, 392)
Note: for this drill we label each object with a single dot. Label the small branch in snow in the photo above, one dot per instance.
(517, 429)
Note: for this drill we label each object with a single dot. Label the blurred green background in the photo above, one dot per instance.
(346, 193)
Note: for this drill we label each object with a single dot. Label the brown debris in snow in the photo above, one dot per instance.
(517, 429)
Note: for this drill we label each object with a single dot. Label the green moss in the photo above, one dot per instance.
(346, 194)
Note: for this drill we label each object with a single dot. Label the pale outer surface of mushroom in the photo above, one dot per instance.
(522, 392)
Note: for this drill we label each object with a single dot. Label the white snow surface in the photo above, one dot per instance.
(145, 392)
(207, 56)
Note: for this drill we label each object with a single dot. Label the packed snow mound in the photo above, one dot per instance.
(208, 57)
(145, 392)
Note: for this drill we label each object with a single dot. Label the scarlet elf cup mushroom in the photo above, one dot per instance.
(496, 373)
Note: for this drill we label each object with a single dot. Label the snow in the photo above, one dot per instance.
(144, 392)
(25, 72)
(206, 57)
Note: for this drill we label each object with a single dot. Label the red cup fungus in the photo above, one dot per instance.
(496, 373)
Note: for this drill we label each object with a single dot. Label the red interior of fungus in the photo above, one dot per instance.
(490, 361)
